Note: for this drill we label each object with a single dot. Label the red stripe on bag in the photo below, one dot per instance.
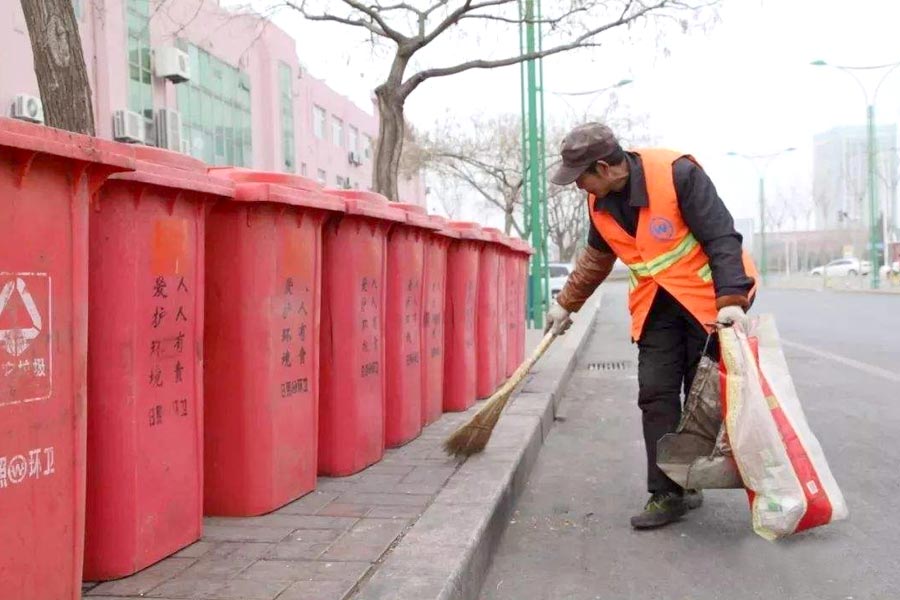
(818, 506)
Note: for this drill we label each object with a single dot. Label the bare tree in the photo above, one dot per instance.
(484, 156)
(567, 220)
(411, 27)
(59, 64)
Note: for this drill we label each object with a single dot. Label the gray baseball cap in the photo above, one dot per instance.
(582, 147)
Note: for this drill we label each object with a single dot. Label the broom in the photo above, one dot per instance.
(472, 437)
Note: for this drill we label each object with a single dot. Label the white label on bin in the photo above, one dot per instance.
(25, 338)
(36, 463)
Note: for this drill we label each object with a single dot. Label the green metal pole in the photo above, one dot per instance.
(526, 200)
(537, 317)
(763, 258)
(542, 164)
(873, 196)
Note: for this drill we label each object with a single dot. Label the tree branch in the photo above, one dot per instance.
(336, 19)
(372, 12)
(552, 22)
(582, 41)
(454, 17)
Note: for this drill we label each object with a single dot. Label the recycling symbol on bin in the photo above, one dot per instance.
(16, 340)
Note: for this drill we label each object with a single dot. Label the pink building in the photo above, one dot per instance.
(245, 101)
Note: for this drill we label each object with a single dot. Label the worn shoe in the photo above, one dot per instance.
(693, 499)
(661, 509)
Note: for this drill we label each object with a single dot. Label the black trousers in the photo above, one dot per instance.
(669, 351)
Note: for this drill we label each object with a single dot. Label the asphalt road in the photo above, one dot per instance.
(570, 537)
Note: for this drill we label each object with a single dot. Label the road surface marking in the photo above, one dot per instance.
(861, 366)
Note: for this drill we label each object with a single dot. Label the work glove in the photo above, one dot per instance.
(731, 315)
(558, 320)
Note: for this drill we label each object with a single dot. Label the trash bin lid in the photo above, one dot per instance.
(242, 175)
(165, 168)
(416, 215)
(49, 140)
(369, 204)
(469, 231)
(444, 228)
(282, 194)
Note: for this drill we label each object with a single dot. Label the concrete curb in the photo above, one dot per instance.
(447, 552)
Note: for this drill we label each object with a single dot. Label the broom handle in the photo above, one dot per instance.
(519, 374)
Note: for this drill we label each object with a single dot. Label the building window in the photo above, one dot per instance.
(367, 146)
(319, 122)
(140, 88)
(215, 111)
(337, 131)
(353, 139)
(322, 177)
(79, 9)
(285, 79)
(303, 169)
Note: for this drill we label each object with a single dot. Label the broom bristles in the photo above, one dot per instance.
(473, 437)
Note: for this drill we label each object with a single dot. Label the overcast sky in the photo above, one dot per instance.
(744, 85)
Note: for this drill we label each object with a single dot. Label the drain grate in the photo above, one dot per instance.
(611, 365)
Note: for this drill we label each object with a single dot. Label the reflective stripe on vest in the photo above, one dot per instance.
(666, 260)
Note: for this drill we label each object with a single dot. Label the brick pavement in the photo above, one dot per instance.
(319, 547)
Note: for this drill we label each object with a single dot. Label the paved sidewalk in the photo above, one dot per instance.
(329, 544)
(316, 548)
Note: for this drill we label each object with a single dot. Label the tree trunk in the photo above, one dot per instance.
(389, 146)
(59, 64)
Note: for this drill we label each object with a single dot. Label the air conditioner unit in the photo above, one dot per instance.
(168, 129)
(171, 63)
(129, 127)
(354, 158)
(28, 108)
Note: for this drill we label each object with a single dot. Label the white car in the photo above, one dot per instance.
(558, 273)
(843, 267)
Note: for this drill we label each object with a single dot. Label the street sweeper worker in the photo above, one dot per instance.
(658, 212)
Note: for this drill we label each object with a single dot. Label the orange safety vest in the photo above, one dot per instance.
(664, 253)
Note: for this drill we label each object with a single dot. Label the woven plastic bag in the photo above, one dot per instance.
(788, 481)
(697, 455)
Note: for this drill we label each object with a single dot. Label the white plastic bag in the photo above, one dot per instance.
(781, 462)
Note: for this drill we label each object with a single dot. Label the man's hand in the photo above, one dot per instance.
(730, 315)
(558, 320)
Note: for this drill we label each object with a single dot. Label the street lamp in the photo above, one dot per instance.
(761, 163)
(870, 139)
(596, 92)
(600, 91)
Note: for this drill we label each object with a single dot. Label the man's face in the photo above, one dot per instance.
(596, 180)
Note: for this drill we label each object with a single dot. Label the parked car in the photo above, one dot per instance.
(843, 267)
(559, 273)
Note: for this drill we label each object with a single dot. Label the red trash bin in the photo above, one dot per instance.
(460, 364)
(487, 322)
(261, 374)
(145, 380)
(502, 247)
(403, 338)
(516, 270)
(47, 177)
(354, 286)
(435, 297)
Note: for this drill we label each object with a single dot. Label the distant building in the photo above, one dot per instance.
(840, 176)
(247, 101)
